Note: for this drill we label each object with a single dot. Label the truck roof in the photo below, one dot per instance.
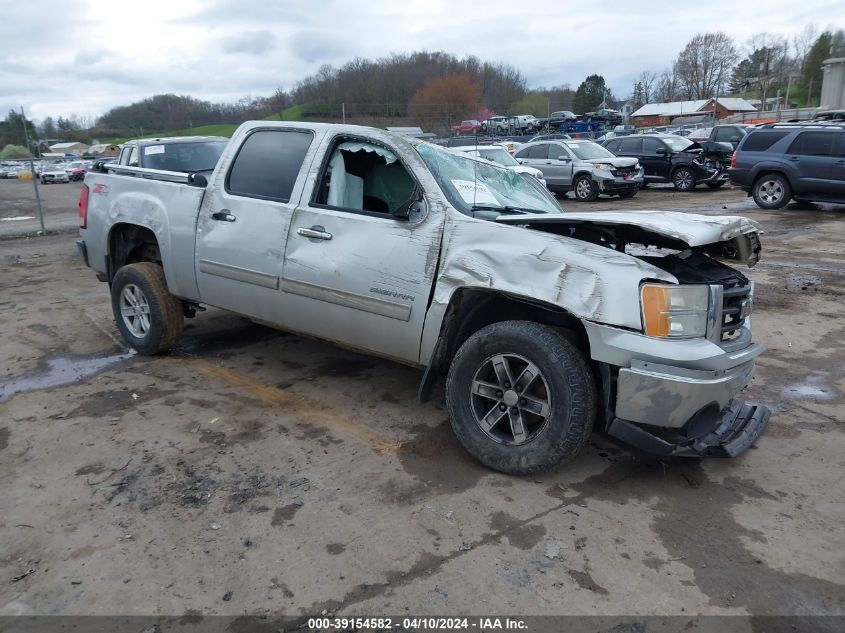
(177, 139)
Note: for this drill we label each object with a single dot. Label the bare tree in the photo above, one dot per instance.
(802, 43)
(648, 81)
(666, 88)
(704, 66)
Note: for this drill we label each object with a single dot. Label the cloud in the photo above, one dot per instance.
(316, 46)
(250, 43)
(89, 60)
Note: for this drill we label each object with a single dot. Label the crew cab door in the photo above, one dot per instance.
(355, 272)
(243, 223)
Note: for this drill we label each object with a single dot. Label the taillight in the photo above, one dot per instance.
(83, 207)
(733, 159)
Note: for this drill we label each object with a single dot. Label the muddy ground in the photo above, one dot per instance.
(255, 472)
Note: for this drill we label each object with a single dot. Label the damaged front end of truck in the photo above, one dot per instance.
(670, 386)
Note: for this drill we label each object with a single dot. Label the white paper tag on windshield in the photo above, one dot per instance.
(153, 149)
(475, 192)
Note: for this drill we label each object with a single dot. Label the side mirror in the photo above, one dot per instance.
(735, 139)
(198, 180)
(660, 151)
(403, 211)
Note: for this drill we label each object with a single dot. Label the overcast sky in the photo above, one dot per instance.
(84, 57)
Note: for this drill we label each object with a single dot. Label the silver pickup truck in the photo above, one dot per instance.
(543, 323)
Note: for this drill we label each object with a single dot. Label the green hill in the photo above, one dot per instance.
(294, 113)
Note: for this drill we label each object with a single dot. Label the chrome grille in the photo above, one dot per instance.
(736, 307)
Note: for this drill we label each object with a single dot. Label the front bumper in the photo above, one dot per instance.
(672, 396)
(736, 429)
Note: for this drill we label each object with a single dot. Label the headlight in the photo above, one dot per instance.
(675, 311)
(602, 166)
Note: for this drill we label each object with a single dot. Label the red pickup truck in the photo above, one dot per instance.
(466, 127)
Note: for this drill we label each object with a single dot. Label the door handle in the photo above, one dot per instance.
(315, 232)
(794, 158)
(223, 216)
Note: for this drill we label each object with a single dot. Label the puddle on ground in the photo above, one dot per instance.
(812, 388)
(61, 370)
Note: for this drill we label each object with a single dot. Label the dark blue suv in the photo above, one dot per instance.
(779, 162)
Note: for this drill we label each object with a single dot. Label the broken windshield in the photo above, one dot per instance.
(472, 184)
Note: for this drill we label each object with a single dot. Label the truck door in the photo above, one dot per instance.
(243, 223)
(356, 271)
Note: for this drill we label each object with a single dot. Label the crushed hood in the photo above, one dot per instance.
(724, 236)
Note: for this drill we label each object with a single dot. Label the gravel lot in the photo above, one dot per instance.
(254, 472)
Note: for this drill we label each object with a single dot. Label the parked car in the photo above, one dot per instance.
(555, 136)
(542, 323)
(562, 116)
(461, 141)
(470, 126)
(584, 167)
(53, 173)
(10, 171)
(675, 159)
(495, 125)
(499, 154)
(76, 170)
(830, 115)
(779, 162)
(732, 134)
(187, 154)
(523, 124)
(605, 114)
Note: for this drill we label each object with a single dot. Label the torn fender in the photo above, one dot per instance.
(589, 281)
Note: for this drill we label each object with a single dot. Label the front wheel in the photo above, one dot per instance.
(147, 315)
(771, 191)
(521, 397)
(683, 179)
(585, 188)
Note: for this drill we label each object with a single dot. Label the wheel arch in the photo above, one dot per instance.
(770, 170)
(471, 309)
(131, 243)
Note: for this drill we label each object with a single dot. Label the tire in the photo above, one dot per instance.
(585, 189)
(771, 191)
(626, 195)
(142, 286)
(562, 386)
(683, 179)
(716, 185)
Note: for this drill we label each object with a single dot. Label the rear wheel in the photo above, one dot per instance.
(586, 190)
(771, 191)
(521, 397)
(683, 179)
(147, 315)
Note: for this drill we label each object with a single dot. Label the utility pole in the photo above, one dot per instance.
(34, 177)
(25, 131)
